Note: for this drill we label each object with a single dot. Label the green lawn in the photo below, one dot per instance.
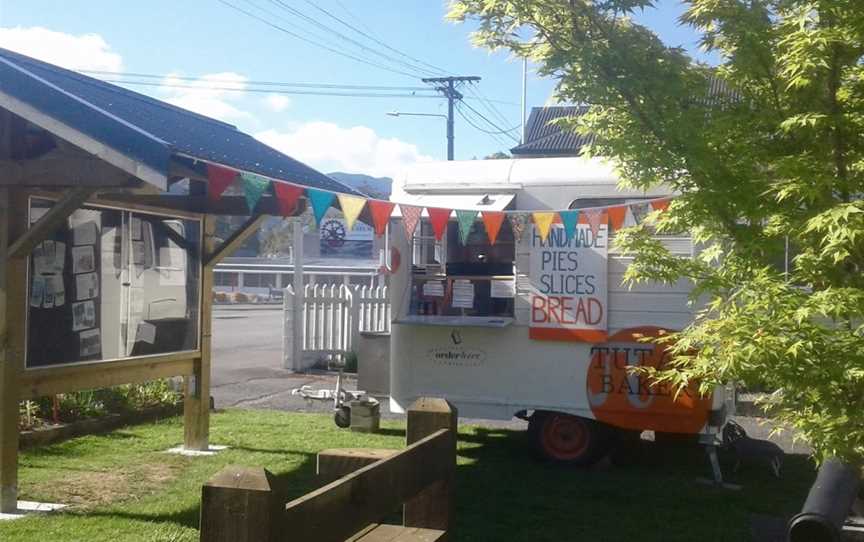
(123, 488)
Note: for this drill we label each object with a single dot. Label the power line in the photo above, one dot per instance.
(313, 42)
(482, 116)
(270, 91)
(498, 139)
(257, 83)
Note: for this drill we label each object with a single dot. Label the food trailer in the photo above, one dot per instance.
(536, 328)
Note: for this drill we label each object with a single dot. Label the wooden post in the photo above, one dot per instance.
(299, 298)
(8, 376)
(196, 387)
(433, 508)
(238, 505)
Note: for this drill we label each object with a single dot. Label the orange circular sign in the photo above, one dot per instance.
(621, 398)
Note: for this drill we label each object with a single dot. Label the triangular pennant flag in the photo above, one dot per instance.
(569, 219)
(640, 211)
(218, 179)
(492, 221)
(287, 196)
(254, 187)
(518, 223)
(351, 206)
(410, 217)
(439, 219)
(617, 215)
(543, 222)
(320, 201)
(594, 217)
(661, 204)
(381, 211)
(465, 219)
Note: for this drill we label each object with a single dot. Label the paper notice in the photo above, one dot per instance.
(146, 333)
(54, 284)
(90, 343)
(85, 234)
(463, 294)
(83, 315)
(37, 291)
(59, 256)
(83, 259)
(503, 288)
(136, 229)
(41, 265)
(86, 286)
(138, 252)
(433, 288)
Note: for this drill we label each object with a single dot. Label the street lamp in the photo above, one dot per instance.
(449, 135)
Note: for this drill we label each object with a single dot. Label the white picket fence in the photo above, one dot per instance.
(331, 320)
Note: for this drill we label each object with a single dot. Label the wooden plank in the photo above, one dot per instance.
(103, 374)
(433, 507)
(8, 376)
(338, 510)
(49, 222)
(334, 463)
(397, 533)
(226, 205)
(237, 505)
(251, 226)
(62, 169)
(196, 387)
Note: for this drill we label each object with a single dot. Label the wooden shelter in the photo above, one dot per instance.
(107, 243)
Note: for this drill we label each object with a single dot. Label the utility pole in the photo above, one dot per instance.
(447, 87)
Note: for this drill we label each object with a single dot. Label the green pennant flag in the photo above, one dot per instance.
(254, 187)
(465, 220)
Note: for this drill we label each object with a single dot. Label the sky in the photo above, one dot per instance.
(208, 56)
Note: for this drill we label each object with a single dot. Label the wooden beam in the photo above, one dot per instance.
(232, 243)
(59, 168)
(49, 222)
(44, 381)
(338, 510)
(226, 205)
(238, 505)
(8, 376)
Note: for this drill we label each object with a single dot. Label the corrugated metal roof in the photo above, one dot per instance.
(144, 128)
(545, 138)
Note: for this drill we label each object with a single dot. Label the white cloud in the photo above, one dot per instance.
(329, 147)
(81, 52)
(213, 95)
(277, 102)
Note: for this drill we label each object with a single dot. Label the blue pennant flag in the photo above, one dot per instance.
(569, 219)
(321, 201)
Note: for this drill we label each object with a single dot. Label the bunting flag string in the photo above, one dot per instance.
(438, 218)
(569, 219)
(492, 221)
(465, 220)
(218, 179)
(543, 221)
(351, 206)
(254, 187)
(617, 216)
(381, 211)
(287, 195)
(320, 201)
(595, 217)
(518, 223)
(410, 217)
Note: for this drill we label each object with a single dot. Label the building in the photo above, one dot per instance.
(544, 139)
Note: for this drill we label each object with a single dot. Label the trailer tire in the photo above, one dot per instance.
(342, 417)
(567, 439)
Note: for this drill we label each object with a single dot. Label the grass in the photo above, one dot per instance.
(123, 488)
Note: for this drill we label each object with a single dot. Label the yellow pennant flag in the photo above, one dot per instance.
(351, 206)
(543, 223)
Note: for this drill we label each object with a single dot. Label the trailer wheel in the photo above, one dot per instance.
(564, 438)
(342, 417)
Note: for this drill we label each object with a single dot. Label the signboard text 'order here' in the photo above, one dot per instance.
(569, 285)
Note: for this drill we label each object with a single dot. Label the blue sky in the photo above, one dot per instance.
(196, 38)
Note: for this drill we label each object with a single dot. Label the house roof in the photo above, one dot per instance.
(139, 127)
(543, 138)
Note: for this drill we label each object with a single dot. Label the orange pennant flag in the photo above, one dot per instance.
(617, 215)
(492, 221)
(381, 211)
(439, 219)
(661, 204)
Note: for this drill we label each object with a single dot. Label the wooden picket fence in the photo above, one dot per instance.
(332, 318)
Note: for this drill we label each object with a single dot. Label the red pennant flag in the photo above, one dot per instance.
(287, 195)
(410, 217)
(218, 179)
(439, 219)
(617, 214)
(381, 211)
(492, 220)
(661, 204)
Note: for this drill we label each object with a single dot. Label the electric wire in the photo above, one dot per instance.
(494, 135)
(500, 130)
(270, 90)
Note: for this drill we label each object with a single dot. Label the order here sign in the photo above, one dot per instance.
(569, 285)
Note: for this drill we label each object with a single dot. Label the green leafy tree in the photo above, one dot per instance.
(765, 149)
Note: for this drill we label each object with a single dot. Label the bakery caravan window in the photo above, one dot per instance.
(427, 252)
(113, 284)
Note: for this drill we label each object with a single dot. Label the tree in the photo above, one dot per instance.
(764, 148)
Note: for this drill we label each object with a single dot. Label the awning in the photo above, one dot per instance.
(469, 202)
